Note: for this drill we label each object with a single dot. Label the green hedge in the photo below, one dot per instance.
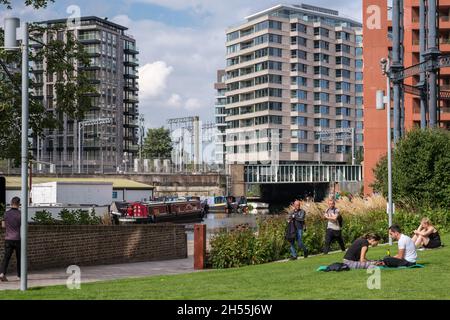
(230, 249)
(66, 217)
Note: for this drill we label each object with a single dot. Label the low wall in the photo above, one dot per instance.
(62, 246)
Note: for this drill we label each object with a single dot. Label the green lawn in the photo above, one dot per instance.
(290, 280)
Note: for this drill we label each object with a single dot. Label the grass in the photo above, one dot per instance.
(275, 281)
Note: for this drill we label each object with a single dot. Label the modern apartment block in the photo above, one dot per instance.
(294, 72)
(377, 45)
(220, 117)
(109, 145)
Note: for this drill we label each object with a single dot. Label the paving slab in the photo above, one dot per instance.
(59, 276)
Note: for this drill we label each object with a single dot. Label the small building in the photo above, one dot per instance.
(72, 193)
(118, 189)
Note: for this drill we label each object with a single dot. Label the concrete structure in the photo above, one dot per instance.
(86, 193)
(122, 189)
(377, 44)
(293, 71)
(113, 72)
(220, 117)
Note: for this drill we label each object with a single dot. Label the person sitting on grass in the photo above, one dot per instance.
(407, 254)
(355, 258)
(427, 236)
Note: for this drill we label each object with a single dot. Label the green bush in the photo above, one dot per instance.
(44, 218)
(421, 170)
(2, 211)
(240, 248)
(79, 217)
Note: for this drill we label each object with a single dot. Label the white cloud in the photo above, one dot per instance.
(153, 79)
(175, 101)
(193, 104)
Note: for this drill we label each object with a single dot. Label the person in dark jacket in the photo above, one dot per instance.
(298, 216)
(12, 223)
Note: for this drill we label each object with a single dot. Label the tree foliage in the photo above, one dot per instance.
(158, 144)
(72, 87)
(421, 170)
(36, 4)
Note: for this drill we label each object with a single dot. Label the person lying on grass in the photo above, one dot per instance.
(407, 254)
(355, 258)
(427, 235)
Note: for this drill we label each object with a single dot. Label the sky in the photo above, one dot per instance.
(181, 43)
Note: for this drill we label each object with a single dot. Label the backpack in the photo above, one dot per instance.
(338, 267)
(340, 220)
(291, 231)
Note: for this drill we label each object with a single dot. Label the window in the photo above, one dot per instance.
(344, 86)
(299, 94)
(299, 41)
(324, 123)
(359, 76)
(299, 67)
(299, 107)
(343, 61)
(300, 121)
(321, 57)
(359, 88)
(322, 96)
(322, 70)
(359, 101)
(322, 110)
(321, 83)
(360, 113)
(359, 51)
(359, 64)
(299, 54)
(300, 134)
(298, 27)
(321, 32)
(299, 147)
(114, 195)
(300, 81)
(320, 44)
(343, 73)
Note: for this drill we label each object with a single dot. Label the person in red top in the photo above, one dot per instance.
(11, 223)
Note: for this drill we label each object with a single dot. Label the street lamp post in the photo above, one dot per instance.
(11, 26)
(381, 102)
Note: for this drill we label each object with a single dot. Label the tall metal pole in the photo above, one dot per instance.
(396, 65)
(353, 147)
(25, 117)
(389, 151)
(423, 48)
(79, 147)
(433, 52)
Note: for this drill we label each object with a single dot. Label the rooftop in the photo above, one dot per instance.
(15, 182)
(88, 18)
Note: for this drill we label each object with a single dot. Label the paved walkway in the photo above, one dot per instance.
(104, 273)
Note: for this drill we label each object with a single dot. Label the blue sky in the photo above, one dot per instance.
(182, 44)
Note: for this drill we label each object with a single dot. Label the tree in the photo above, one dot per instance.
(36, 4)
(73, 89)
(158, 144)
(421, 170)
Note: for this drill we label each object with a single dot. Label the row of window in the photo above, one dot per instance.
(268, 24)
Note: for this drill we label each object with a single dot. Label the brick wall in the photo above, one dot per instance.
(61, 246)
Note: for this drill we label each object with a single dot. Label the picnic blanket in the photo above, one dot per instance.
(417, 266)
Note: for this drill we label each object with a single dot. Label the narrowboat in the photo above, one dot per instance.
(176, 210)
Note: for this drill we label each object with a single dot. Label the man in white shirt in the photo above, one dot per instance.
(407, 254)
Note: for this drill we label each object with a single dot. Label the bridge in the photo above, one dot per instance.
(295, 174)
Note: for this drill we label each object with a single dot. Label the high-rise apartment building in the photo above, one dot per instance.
(111, 144)
(378, 45)
(293, 72)
(220, 117)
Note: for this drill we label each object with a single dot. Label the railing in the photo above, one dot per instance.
(281, 174)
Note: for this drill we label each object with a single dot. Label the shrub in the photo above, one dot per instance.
(421, 170)
(43, 217)
(239, 248)
(79, 217)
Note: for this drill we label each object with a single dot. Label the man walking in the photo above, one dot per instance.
(334, 227)
(11, 223)
(298, 216)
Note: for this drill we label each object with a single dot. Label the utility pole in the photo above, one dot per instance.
(11, 44)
